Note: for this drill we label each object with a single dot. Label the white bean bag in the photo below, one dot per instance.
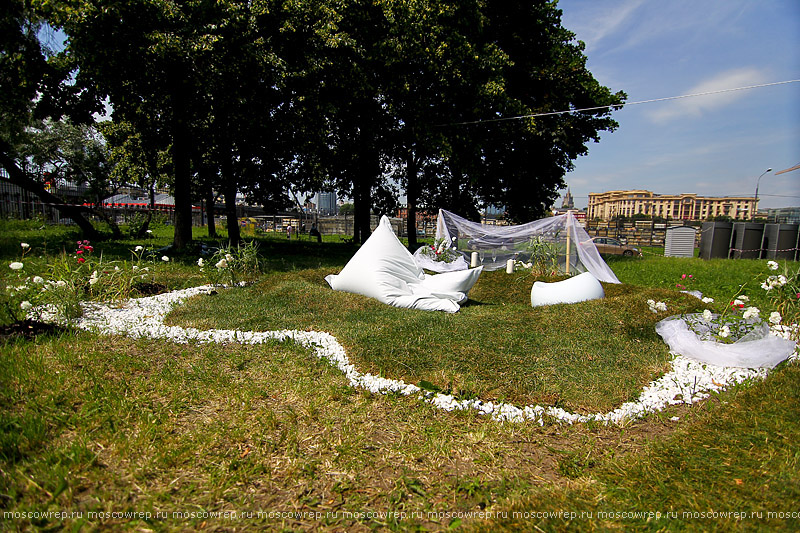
(385, 270)
(572, 290)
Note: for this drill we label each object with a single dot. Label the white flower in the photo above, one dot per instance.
(772, 265)
(25, 245)
(707, 300)
(724, 331)
(138, 249)
(228, 257)
(222, 264)
(93, 279)
(25, 305)
(661, 306)
(775, 318)
(61, 283)
(744, 298)
(16, 265)
(134, 267)
(737, 302)
(149, 231)
(750, 312)
(38, 279)
(165, 258)
(707, 315)
(200, 262)
(116, 269)
(774, 281)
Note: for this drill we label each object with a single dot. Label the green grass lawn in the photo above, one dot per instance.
(496, 348)
(277, 439)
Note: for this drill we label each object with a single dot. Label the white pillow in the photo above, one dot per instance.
(385, 270)
(572, 290)
(456, 282)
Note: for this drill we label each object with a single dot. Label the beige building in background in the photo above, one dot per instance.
(607, 205)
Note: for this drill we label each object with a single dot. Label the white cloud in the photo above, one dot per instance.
(697, 106)
(595, 22)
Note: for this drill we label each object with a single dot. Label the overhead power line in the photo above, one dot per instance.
(598, 108)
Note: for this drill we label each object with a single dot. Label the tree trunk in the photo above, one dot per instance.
(234, 235)
(116, 233)
(362, 204)
(20, 178)
(181, 160)
(152, 195)
(145, 225)
(411, 200)
(210, 212)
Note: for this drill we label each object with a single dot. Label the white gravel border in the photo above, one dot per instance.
(688, 382)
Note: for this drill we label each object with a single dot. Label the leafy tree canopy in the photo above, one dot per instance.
(459, 103)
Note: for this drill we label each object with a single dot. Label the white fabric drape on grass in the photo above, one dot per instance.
(757, 349)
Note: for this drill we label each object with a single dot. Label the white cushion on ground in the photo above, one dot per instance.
(572, 290)
(385, 270)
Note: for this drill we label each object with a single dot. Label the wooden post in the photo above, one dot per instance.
(568, 240)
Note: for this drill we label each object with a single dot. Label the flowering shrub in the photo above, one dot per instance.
(229, 265)
(68, 280)
(19, 297)
(441, 251)
(83, 251)
(784, 292)
(738, 319)
(655, 306)
(685, 278)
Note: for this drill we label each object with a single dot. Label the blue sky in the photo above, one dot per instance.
(715, 145)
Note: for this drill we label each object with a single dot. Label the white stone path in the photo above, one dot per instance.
(687, 382)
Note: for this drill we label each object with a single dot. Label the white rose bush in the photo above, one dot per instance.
(56, 289)
(232, 265)
(737, 325)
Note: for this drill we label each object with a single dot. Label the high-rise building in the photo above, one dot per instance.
(326, 203)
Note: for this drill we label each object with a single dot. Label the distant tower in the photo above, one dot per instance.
(569, 202)
(326, 203)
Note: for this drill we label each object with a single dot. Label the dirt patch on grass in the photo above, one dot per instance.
(28, 329)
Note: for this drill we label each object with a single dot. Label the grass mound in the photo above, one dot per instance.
(585, 357)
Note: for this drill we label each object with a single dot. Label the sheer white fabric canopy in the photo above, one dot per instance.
(558, 241)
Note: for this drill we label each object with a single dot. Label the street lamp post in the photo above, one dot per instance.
(755, 203)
